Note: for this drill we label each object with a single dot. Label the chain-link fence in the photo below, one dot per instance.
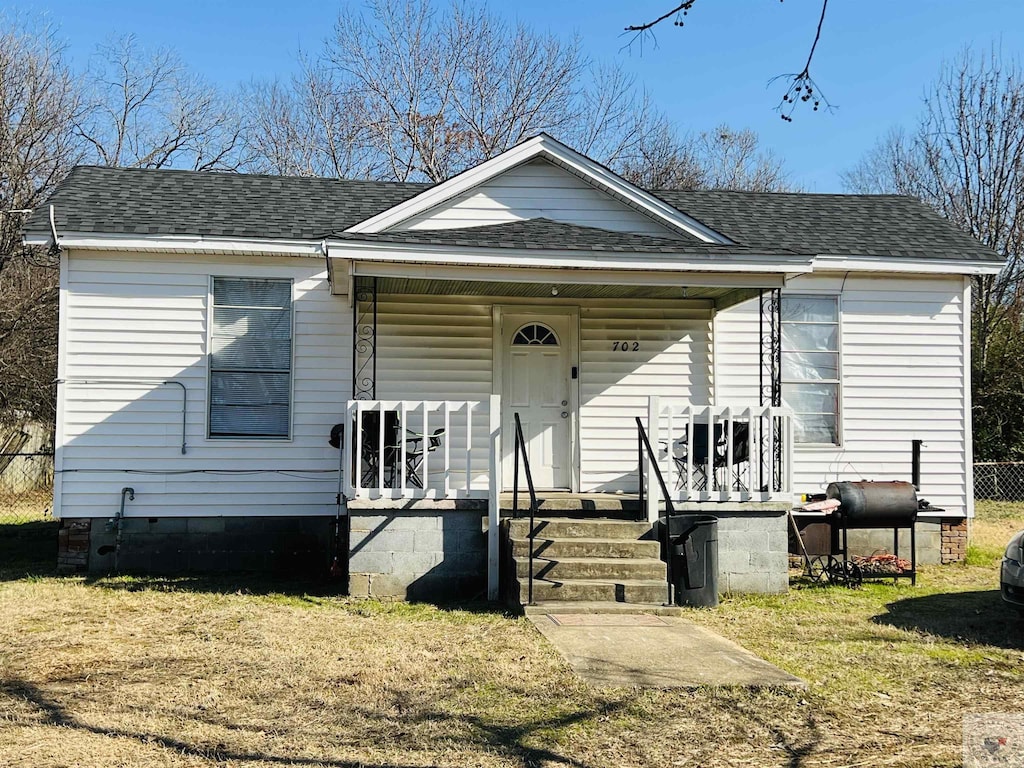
(26, 487)
(999, 480)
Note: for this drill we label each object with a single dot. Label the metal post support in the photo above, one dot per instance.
(771, 379)
(364, 341)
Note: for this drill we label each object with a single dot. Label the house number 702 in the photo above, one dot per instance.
(625, 346)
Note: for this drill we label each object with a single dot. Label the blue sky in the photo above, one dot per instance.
(874, 60)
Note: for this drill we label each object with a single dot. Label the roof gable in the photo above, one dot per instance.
(414, 212)
(539, 189)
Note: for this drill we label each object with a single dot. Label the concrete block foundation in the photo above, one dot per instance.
(282, 546)
(752, 552)
(418, 554)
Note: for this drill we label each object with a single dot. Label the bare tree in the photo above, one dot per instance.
(131, 110)
(147, 110)
(718, 159)
(39, 101)
(800, 86)
(309, 126)
(407, 91)
(444, 91)
(965, 158)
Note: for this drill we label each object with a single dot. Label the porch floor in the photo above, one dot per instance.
(598, 504)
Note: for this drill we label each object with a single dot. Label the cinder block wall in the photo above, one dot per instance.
(418, 555)
(871, 541)
(753, 552)
(283, 546)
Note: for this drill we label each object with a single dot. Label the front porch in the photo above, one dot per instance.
(445, 356)
(735, 462)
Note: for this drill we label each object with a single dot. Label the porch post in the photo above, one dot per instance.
(364, 341)
(771, 385)
(494, 501)
(771, 347)
(654, 437)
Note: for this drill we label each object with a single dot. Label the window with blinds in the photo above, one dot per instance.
(250, 358)
(810, 366)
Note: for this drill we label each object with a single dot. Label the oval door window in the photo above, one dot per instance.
(535, 334)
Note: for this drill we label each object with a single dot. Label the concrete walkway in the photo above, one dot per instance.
(651, 651)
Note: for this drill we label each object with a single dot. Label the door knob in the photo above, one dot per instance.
(565, 414)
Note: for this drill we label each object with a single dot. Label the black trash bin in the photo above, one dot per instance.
(692, 543)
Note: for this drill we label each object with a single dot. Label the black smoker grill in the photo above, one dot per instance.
(863, 505)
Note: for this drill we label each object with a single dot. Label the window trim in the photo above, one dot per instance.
(838, 381)
(256, 439)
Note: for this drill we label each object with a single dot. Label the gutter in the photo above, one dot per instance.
(180, 244)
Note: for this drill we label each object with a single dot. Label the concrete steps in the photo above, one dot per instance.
(595, 590)
(589, 528)
(608, 568)
(585, 547)
(587, 562)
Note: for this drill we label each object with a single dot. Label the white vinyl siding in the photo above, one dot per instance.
(532, 190)
(672, 359)
(440, 347)
(135, 321)
(903, 378)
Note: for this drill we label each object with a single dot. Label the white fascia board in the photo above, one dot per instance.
(505, 257)
(510, 274)
(182, 244)
(555, 151)
(829, 263)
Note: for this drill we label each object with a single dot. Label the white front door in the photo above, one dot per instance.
(536, 384)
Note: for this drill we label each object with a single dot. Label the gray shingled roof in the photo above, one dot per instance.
(149, 202)
(167, 202)
(545, 234)
(840, 225)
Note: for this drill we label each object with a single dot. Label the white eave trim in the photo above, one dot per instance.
(581, 259)
(181, 244)
(829, 263)
(545, 147)
(509, 274)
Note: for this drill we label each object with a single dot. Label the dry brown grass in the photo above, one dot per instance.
(124, 672)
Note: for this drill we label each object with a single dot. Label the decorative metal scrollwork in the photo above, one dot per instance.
(364, 341)
(771, 380)
(771, 347)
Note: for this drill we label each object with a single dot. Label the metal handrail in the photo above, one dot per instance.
(644, 444)
(521, 447)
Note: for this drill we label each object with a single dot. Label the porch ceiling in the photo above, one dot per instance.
(723, 289)
(538, 290)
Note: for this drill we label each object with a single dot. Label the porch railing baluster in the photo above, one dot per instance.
(402, 464)
(447, 453)
(425, 466)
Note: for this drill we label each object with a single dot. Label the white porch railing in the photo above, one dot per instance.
(720, 453)
(417, 449)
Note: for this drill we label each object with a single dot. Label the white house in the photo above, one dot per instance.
(215, 327)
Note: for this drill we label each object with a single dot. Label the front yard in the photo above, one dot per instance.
(129, 672)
